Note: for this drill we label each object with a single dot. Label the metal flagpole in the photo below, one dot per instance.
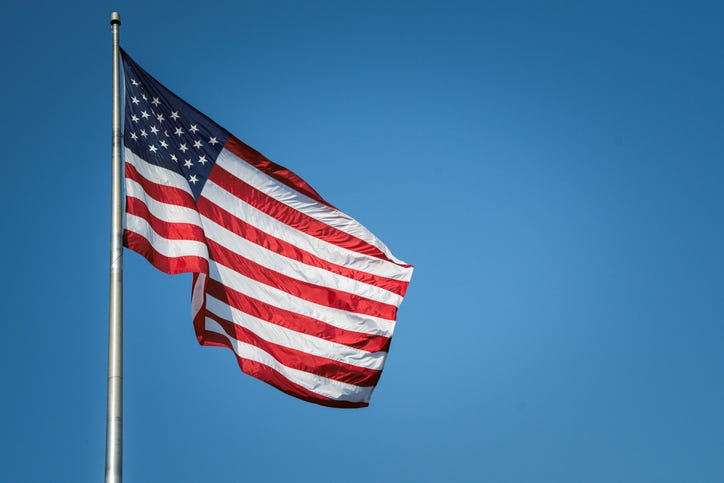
(114, 416)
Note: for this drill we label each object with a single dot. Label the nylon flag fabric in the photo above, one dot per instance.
(304, 295)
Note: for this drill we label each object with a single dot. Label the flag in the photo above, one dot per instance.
(304, 295)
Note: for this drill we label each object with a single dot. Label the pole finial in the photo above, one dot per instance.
(115, 18)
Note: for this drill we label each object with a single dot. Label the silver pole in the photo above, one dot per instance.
(114, 416)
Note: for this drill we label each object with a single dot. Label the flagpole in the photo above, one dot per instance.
(114, 415)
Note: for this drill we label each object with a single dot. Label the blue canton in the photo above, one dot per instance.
(166, 131)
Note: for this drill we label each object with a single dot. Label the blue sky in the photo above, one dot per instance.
(554, 171)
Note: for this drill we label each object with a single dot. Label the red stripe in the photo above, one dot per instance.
(317, 294)
(279, 173)
(277, 245)
(290, 216)
(170, 231)
(170, 265)
(159, 192)
(294, 321)
(274, 378)
(303, 361)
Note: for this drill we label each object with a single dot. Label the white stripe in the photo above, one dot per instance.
(293, 268)
(283, 336)
(163, 211)
(197, 295)
(338, 318)
(157, 174)
(293, 198)
(169, 248)
(328, 251)
(323, 386)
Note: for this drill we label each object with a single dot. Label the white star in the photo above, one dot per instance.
(174, 158)
(144, 97)
(193, 128)
(178, 131)
(144, 115)
(164, 144)
(135, 100)
(188, 163)
(154, 130)
(183, 148)
(133, 136)
(134, 118)
(193, 179)
(203, 160)
(213, 141)
(143, 133)
(152, 148)
(160, 118)
(197, 144)
(155, 101)
(174, 115)
(165, 133)
(135, 82)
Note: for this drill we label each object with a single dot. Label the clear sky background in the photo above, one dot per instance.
(554, 171)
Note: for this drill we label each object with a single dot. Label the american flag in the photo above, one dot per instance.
(305, 296)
